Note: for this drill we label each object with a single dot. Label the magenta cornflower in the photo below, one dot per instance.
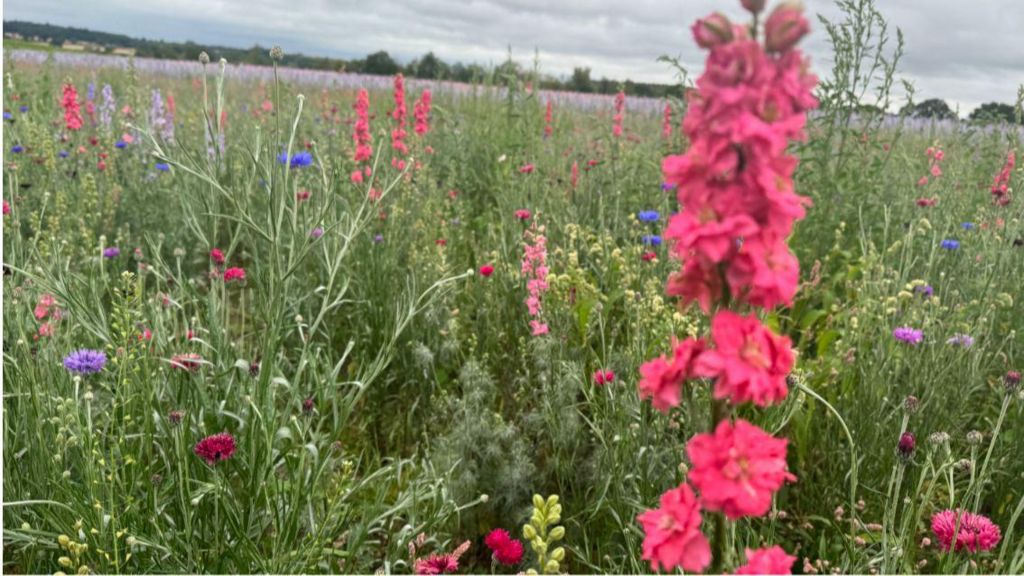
(908, 335)
(232, 274)
(217, 448)
(959, 530)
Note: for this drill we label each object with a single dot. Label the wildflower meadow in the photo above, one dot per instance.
(265, 320)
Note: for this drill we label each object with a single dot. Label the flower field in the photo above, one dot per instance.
(263, 320)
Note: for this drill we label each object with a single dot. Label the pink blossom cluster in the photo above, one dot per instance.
(620, 113)
(535, 270)
(399, 134)
(421, 110)
(738, 207)
(1001, 183)
(72, 111)
(361, 137)
(935, 157)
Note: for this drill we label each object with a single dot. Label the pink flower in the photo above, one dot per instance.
(436, 564)
(189, 361)
(672, 535)
(421, 110)
(661, 380)
(217, 256)
(215, 449)
(526, 169)
(7, 208)
(764, 272)
(749, 362)
(72, 113)
(538, 328)
(620, 109)
(523, 214)
(602, 377)
(506, 550)
(232, 274)
(971, 531)
(399, 114)
(361, 136)
(548, 129)
(772, 560)
(784, 27)
(486, 270)
(738, 468)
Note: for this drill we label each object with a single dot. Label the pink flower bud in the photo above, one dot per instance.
(712, 31)
(754, 6)
(785, 27)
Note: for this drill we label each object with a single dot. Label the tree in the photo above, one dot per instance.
(380, 63)
(430, 67)
(931, 108)
(580, 81)
(993, 113)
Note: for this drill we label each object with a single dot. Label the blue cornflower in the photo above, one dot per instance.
(120, 144)
(17, 149)
(967, 225)
(163, 167)
(8, 115)
(23, 108)
(665, 186)
(63, 153)
(85, 361)
(651, 239)
(299, 160)
(647, 216)
(950, 244)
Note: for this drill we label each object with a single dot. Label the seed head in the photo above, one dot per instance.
(974, 437)
(276, 53)
(204, 58)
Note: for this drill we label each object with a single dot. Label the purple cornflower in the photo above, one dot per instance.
(378, 238)
(964, 340)
(111, 252)
(925, 291)
(950, 244)
(85, 361)
(908, 335)
(316, 233)
(120, 144)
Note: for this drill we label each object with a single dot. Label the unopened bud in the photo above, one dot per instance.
(906, 445)
(785, 27)
(754, 6)
(974, 437)
(910, 404)
(712, 31)
(1011, 380)
(276, 53)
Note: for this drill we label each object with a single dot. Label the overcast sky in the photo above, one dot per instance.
(965, 51)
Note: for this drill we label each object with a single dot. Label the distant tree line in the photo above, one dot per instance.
(428, 66)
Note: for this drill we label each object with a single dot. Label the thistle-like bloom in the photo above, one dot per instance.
(298, 160)
(111, 252)
(738, 468)
(749, 362)
(772, 560)
(505, 549)
(647, 216)
(959, 530)
(232, 274)
(662, 379)
(85, 361)
(672, 535)
(908, 335)
(217, 448)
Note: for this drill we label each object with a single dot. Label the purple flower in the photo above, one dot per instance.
(964, 340)
(316, 233)
(925, 291)
(378, 238)
(908, 335)
(85, 361)
(111, 252)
